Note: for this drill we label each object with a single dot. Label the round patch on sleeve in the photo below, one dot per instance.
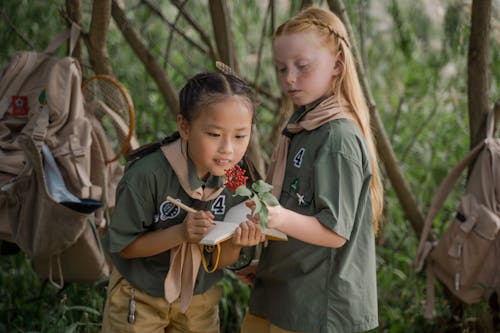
(168, 210)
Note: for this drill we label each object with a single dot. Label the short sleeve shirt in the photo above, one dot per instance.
(310, 288)
(141, 207)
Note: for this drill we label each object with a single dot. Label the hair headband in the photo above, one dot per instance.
(332, 31)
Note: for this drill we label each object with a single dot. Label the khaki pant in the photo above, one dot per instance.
(255, 324)
(155, 315)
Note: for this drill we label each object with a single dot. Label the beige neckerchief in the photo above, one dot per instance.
(327, 110)
(185, 258)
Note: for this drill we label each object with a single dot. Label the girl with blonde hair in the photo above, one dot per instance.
(324, 171)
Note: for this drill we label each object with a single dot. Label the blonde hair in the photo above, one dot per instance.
(327, 25)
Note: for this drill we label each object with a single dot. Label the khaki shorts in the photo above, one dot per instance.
(154, 314)
(254, 324)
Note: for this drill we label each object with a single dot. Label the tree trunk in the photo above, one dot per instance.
(221, 23)
(477, 70)
(384, 148)
(96, 40)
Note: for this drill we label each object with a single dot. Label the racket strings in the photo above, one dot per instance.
(113, 108)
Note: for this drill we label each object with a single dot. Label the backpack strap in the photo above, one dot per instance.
(72, 33)
(444, 190)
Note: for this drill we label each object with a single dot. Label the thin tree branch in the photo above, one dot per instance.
(261, 43)
(396, 120)
(153, 67)
(419, 131)
(154, 8)
(171, 37)
(203, 36)
(18, 33)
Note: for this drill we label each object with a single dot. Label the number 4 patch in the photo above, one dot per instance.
(297, 160)
(219, 205)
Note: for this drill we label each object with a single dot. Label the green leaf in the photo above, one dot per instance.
(261, 186)
(243, 191)
(258, 205)
(269, 199)
(263, 216)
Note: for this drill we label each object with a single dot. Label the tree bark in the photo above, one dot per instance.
(96, 40)
(221, 23)
(477, 70)
(384, 148)
(153, 67)
(203, 36)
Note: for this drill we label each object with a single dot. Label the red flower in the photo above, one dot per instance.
(235, 177)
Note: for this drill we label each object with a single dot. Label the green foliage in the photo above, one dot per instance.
(416, 63)
(32, 305)
(27, 25)
(262, 197)
(232, 307)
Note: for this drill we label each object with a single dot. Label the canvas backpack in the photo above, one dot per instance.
(467, 257)
(56, 188)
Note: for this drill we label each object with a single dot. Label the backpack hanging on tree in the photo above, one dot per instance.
(55, 185)
(467, 257)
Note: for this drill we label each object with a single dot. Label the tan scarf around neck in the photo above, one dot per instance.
(185, 258)
(329, 109)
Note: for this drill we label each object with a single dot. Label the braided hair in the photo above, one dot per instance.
(334, 33)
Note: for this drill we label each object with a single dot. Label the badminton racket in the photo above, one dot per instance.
(112, 105)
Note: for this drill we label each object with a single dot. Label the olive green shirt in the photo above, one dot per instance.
(141, 207)
(303, 287)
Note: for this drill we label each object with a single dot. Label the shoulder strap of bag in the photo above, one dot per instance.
(73, 33)
(444, 190)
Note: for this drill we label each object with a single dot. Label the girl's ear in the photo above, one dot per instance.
(339, 64)
(183, 127)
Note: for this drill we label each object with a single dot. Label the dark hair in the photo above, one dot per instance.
(199, 91)
(211, 87)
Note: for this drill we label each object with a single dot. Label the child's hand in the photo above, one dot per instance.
(248, 233)
(247, 274)
(196, 225)
(254, 218)
(274, 216)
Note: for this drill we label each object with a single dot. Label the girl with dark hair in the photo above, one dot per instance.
(157, 284)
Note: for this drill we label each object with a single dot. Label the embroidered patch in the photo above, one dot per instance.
(19, 105)
(168, 210)
(294, 186)
(219, 205)
(297, 160)
(301, 201)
